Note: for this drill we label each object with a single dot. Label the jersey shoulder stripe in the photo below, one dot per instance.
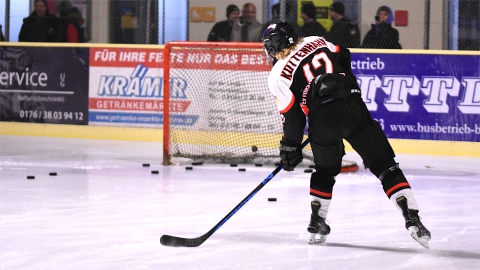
(286, 109)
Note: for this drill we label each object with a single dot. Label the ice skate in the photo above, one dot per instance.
(317, 228)
(413, 223)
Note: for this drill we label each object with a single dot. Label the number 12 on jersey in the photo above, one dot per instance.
(318, 60)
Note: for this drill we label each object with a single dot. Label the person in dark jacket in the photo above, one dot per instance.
(2, 38)
(276, 18)
(311, 27)
(248, 28)
(222, 30)
(382, 35)
(344, 31)
(39, 26)
(70, 28)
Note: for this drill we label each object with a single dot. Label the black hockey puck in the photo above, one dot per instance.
(242, 169)
(188, 168)
(258, 165)
(233, 165)
(197, 163)
(30, 177)
(277, 164)
(154, 172)
(146, 165)
(311, 166)
(254, 148)
(308, 171)
(53, 174)
(272, 199)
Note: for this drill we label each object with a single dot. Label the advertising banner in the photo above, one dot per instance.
(422, 96)
(126, 87)
(322, 12)
(210, 90)
(44, 85)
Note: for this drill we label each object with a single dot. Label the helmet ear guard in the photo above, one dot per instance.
(271, 51)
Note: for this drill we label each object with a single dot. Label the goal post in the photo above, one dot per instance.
(216, 102)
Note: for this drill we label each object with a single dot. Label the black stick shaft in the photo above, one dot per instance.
(173, 241)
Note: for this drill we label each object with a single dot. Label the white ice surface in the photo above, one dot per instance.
(104, 210)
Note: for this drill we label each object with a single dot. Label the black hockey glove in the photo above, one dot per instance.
(291, 156)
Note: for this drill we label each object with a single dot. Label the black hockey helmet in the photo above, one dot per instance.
(278, 36)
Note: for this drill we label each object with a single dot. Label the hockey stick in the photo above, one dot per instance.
(173, 241)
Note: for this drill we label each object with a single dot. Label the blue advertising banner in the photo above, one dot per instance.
(422, 96)
(44, 85)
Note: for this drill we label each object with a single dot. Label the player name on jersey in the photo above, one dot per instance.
(293, 62)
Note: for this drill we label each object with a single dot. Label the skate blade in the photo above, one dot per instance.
(421, 240)
(314, 240)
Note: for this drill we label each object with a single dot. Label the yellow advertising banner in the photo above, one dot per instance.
(322, 12)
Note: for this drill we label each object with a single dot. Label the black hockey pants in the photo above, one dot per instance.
(347, 119)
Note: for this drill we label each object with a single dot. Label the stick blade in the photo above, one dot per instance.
(349, 166)
(173, 241)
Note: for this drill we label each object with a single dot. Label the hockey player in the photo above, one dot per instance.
(312, 79)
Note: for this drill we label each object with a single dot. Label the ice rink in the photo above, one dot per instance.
(105, 210)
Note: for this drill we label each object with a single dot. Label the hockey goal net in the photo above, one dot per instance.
(217, 105)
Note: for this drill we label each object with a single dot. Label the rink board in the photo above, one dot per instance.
(156, 135)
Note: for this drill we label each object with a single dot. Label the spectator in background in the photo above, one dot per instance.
(311, 27)
(382, 35)
(344, 32)
(62, 7)
(276, 19)
(2, 38)
(249, 29)
(70, 28)
(222, 30)
(39, 26)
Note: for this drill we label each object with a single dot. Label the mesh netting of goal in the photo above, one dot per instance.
(217, 105)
